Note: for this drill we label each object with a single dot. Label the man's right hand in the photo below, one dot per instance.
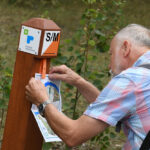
(65, 74)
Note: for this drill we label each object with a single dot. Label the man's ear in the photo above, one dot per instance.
(126, 48)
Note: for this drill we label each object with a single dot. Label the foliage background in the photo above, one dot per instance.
(87, 28)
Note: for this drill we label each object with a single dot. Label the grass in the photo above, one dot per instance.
(137, 11)
(67, 16)
(12, 16)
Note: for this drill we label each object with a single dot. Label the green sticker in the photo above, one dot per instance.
(26, 31)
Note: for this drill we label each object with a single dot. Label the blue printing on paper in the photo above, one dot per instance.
(36, 113)
(52, 84)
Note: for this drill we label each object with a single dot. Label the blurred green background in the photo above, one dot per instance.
(87, 29)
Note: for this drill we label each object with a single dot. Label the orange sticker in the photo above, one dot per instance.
(51, 43)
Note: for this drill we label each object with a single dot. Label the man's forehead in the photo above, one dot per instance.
(113, 41)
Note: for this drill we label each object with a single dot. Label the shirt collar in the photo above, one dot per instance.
(144, 59)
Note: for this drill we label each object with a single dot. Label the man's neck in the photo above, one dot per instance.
(136, 53)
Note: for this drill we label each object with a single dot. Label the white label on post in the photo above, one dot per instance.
(29, 40)
(50, 43)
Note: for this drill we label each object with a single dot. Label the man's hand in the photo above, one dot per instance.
(65, 74)
(36, 92)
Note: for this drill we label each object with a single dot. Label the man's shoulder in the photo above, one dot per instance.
(136, 74)
(138, 71)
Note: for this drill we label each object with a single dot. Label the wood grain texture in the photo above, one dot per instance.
(21, 131)
(41, 23)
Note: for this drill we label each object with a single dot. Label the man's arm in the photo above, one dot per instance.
(89, 91)
(72, 132)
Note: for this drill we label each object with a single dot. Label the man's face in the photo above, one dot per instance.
(116, 57)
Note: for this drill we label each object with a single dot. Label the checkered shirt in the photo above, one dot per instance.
(126, 97)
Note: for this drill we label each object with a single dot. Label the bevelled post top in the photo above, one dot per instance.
(41, 23)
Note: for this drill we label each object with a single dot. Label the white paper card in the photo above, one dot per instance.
(53, 89)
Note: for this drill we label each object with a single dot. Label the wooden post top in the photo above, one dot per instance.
(40, 37)
(41, 23)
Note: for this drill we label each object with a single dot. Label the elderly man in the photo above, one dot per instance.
(126, 97)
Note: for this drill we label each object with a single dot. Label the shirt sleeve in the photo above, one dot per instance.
(115, 101)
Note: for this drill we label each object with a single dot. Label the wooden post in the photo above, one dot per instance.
(39, 39)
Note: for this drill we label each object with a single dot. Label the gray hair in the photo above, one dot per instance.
(136, 33)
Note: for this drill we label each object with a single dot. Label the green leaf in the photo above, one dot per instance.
(92, 26)
(79, 66)
(68, 41)
(105, 48)
(100, 75)
(91, 42)
(63, 59)
(90, 58)
(69, 94)
(66, 105)
(91, 1)
(82, 22)
(105, 138)
(2, 104)
(73, 100)
(98, 32)
(46, 146)
(74, 41)
(70, 49)
(69, 86)
(112, 135)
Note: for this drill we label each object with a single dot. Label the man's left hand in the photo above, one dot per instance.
(36, 92)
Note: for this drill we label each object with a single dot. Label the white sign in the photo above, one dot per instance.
(50, 43)
(29, 40)
(53, 90)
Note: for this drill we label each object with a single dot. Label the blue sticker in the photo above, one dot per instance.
(29, 39)
(51, 84)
